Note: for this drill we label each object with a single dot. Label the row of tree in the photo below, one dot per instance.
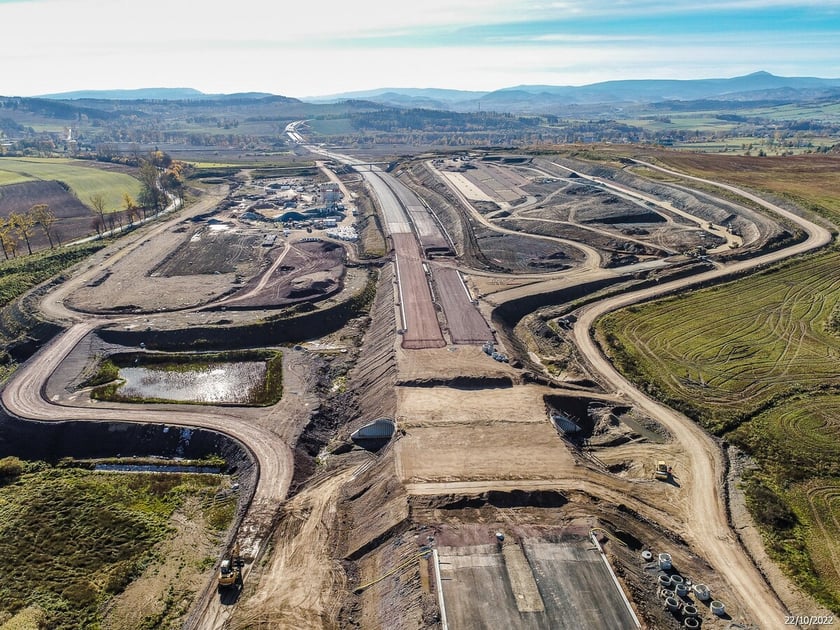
(20, 226)
(161, 179)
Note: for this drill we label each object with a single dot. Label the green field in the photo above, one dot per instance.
(756, 361)
(72, 539)
(21, 274)
(797, 445)
(817, 506)
(796, 439)
(84, 179)
(725, 353)
(12, 177)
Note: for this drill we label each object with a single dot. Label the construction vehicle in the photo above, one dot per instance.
(230, 570)
(663, 471)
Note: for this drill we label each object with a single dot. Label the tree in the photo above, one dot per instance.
(150, 193)
(172, 183)
(130, 209)
(97, 203)
(98, 225)
(22, 224)
(45, 217)
(8, 240)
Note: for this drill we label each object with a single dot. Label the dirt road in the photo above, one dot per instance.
(593, 258)
(296, 588)
(24, 396)
(709, 529)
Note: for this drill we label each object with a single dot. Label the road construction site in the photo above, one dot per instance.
(509, 494)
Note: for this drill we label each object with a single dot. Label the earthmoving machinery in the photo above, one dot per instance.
(663, 471)
(230, 570)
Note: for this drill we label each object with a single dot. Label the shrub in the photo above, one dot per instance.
(10, 468)
(767, 507)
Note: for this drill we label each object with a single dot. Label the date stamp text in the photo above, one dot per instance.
(809, 620)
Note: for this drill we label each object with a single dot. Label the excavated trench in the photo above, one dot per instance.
(52, 441)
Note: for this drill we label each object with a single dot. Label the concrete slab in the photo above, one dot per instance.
(481, 583)
(522, 583)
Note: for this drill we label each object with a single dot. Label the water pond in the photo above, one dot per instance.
(233, 383)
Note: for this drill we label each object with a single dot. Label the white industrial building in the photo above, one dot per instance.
(330, 193)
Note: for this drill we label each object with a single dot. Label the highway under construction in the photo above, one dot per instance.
(500, 485)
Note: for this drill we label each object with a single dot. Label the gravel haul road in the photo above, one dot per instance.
(710, 528)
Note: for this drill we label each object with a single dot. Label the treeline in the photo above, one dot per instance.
(53, 109)
(400, 120)
(506, 131)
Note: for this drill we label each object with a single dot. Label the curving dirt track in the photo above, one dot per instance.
(710, 529)
(24, 395)
(592, 257)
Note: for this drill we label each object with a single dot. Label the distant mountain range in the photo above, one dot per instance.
(759, 86)
(150, 94)
(756, 87)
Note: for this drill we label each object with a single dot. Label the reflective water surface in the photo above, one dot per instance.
(217, 383)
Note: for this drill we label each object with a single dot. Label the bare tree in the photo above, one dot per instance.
(106, 152)
(98, 225)
(97, 203)
(23, 225)
(45, 217)
(8, 240)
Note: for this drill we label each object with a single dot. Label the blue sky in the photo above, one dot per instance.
(322, 47)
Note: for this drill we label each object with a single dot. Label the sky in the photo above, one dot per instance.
(317, 47)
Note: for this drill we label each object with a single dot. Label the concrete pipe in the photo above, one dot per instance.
(691, 622)
(672, 603)
(647, 556)
(681, 589)
(676, 579)
(689, 610)
(664, 561)
(666, 593)
(717, 608)
(702, 592)
(664, 581)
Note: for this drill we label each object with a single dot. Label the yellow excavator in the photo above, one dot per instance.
(663, 471)
(230, 569)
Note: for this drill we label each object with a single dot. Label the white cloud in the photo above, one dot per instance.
(309, 48)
